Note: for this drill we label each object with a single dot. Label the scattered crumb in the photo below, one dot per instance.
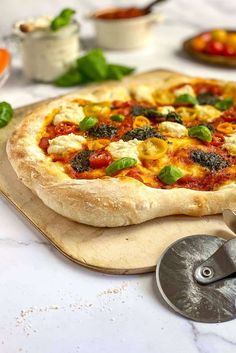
(115, 290)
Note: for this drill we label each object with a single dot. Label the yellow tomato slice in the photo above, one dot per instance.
(96, 109)
(152, 148)
(140, 121)
(97, 144)
(226, 128)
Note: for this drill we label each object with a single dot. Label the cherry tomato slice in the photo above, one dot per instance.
(65, 128)
(100, 159)
(230, 114)
(217, 139)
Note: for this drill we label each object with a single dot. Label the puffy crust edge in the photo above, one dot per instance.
(108, 202)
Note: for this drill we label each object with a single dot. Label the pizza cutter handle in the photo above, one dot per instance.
(220, 265)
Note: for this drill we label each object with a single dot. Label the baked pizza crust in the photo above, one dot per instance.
(108, 202)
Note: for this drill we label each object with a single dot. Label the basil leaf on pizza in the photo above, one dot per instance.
(201, 132)
(170, 174)
(186, 99)
(120, 164)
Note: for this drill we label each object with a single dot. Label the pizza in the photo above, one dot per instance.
(158, 144)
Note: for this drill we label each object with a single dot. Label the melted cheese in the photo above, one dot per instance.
(65, 143)
(144, 93)
(207, 112)
(122, 149)
(187, 89)
(230, 144)
(172, 129)
(71, 113)
(165, 110)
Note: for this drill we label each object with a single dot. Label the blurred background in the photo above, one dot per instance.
(180, 19)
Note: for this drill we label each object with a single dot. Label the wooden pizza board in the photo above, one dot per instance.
(122, 250)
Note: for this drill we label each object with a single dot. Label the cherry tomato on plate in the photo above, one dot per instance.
(229, 51)
(214, 47)
(100, 159)
(198, 43)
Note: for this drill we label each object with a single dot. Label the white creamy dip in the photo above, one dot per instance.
(47, 54)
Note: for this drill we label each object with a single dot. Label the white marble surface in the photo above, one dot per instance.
(47, 303)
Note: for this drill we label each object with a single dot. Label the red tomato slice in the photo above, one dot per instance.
(43, 143)
(217, 139)
(65, 128)
(100, 159)
(230, 115)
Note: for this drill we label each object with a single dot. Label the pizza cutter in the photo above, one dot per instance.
(196, 276)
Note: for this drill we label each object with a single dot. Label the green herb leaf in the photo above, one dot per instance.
(93, 65)
(122, 163)
(71, 78)
(170, 175)
(118, 117)
(186, 99)
(88, 122)
(117, 72)
(201, 132)
(224, 104)
(6, 113)
(63, 19)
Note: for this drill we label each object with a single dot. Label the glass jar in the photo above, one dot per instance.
(48, 54)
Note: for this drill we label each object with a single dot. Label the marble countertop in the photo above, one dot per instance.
(49, 304)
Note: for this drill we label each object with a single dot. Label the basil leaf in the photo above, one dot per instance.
(201, 132)
(116, 72)
(186, 99)
(118, 117)
(122, 163)
(93, 65)
(63, 19)
(6, 113)
(170, 175)
(224, 104)
(88, 122)
(71, 78)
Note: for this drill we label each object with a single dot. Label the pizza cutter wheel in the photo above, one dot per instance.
(196, 276)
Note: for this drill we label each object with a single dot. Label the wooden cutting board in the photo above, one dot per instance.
(124, 250)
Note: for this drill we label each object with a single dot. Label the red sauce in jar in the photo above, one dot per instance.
(120, 13)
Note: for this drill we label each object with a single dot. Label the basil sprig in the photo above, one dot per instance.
(224, 104)
(186, 99)
(6, 113)
(88, 122)
(63, 19)
(169, 174)
(119, 164)
(92, 67)
(201, 132)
